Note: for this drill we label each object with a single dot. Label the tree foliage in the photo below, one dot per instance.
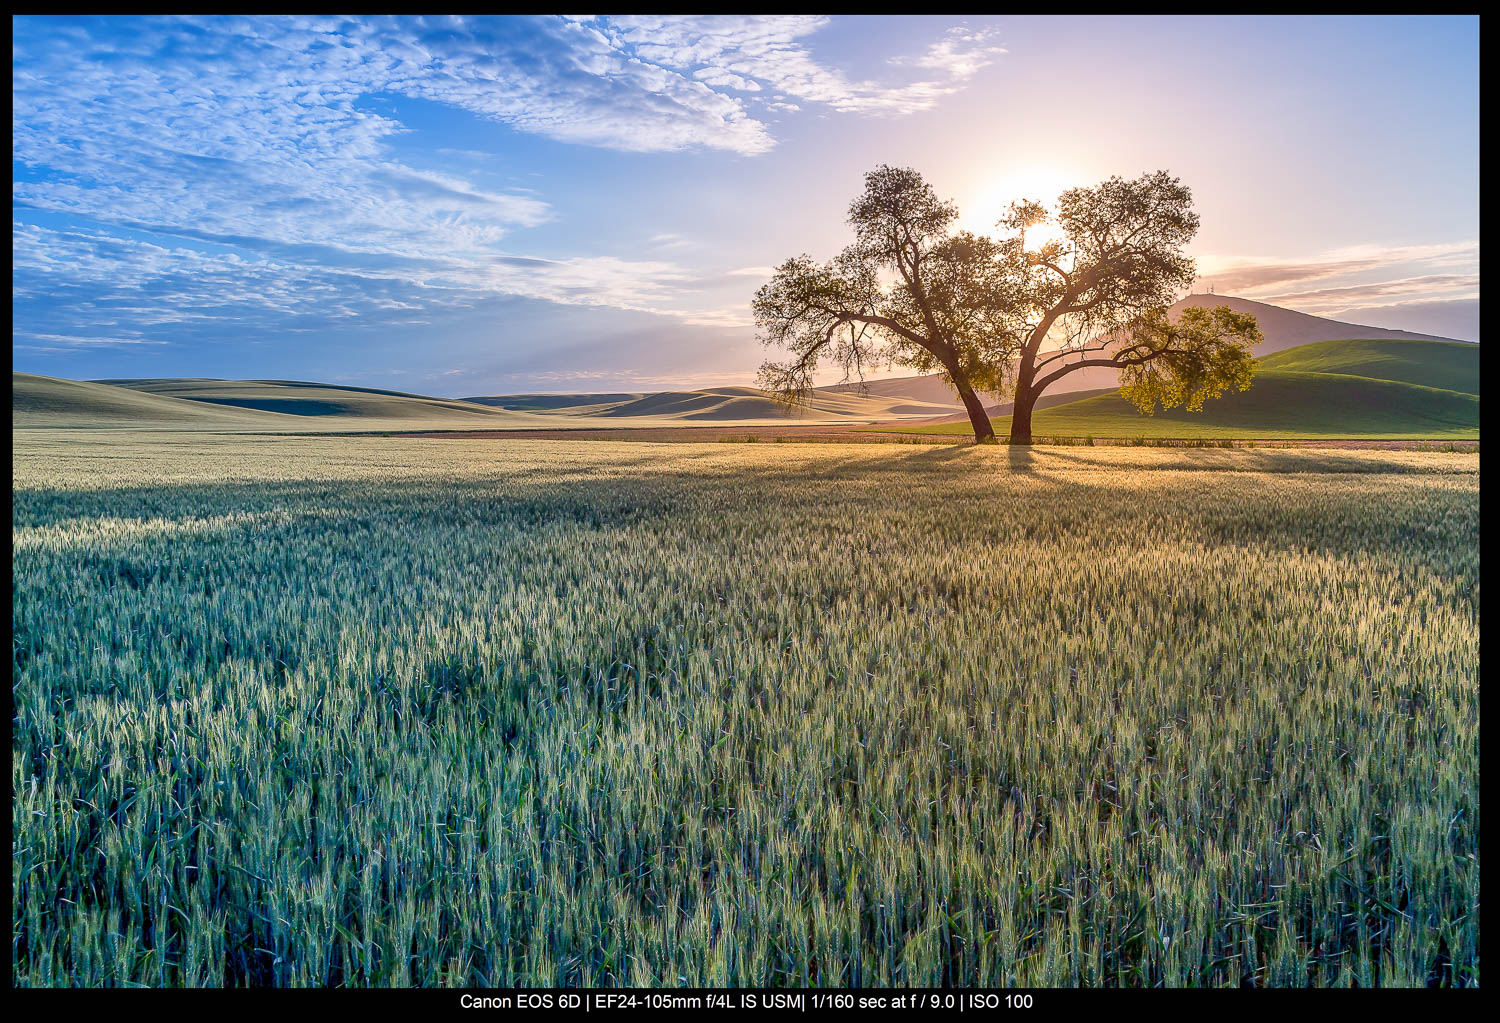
(1200, 356)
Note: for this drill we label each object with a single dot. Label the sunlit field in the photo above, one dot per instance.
(392, 711)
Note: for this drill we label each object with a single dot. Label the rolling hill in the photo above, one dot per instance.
(38, 401)
(554, 402)
(299, 406)
(717, 405)
(1287, 328)
(314, 400)
(1363, 388)
(740, 404)
(1046, 401)
(1450, 365)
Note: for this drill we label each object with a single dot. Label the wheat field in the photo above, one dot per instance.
(388, 711)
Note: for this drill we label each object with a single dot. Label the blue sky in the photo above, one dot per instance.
(480, 206)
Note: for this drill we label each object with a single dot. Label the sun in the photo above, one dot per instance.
(986, 204)
(1039, 235)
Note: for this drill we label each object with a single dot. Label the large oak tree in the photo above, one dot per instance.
(997, 314)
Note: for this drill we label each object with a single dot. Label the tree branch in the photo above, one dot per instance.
(1042, 384)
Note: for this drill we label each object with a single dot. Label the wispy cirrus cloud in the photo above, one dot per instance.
(1240, 273)
(1408, 288)
(244, 170)
(124, 280)
(36, 342)
(1374, 282)
(751, 54)
(961, 53)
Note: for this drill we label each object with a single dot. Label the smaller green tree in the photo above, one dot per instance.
(1204, 353)
(1097, 295)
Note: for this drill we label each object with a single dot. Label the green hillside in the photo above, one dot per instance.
(1358, 389)
(1450, 365)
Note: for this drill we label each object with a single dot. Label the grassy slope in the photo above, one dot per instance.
(748, 404)
(38, 401)
(300, 398)
(554, 402)
(717, 405)
(1045, 401)
(289, 405)
(1450, 365)
(1360, 388)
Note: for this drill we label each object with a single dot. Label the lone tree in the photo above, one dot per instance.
(998, 315)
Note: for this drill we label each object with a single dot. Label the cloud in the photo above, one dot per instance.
(1361, 280)
(1406, 287)
(720, 78)
(1237, 274)
(255, 140)
(768, 52)
(225, 177)
(635, 83)
(121, 279)
(67, 342)
(729, 316)
(1455, 318)
(961, 53)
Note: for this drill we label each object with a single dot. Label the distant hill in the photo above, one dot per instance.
(1283, 329)
(932, 389)
(302, 398)
(1280, 405)
(1286, 328)
(298, 406)
(550, 402)
(1371, 388)
(724, 404)
(935, 390)
(38, 401)
(717, 405)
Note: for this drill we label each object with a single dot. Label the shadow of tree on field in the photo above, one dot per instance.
(1021, 459)
(934, 454)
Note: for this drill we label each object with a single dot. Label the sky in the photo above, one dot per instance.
(473, 206)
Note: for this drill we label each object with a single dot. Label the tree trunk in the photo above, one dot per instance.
(1020, 415)
(984, 433)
